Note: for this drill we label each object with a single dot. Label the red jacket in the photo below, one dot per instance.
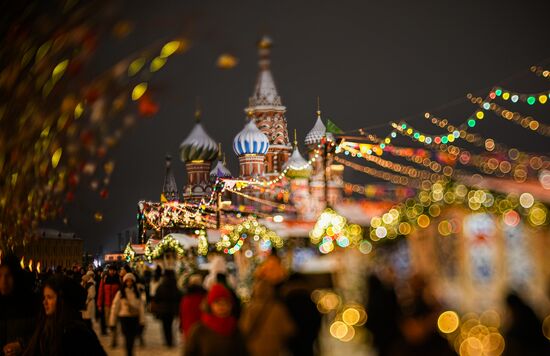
(107, 292)
(190, 310)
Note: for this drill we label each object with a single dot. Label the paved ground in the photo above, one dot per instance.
(154, 344)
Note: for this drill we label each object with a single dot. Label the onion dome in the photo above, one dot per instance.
(318, 131)
(250, 141)
(220, 171)
(169, 188)
(265, 91)
(198, 146)
(297, 166)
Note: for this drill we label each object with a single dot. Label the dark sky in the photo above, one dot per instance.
(371, 62)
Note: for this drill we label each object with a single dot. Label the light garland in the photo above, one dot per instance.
(390, 177)
(531, 99)
(129, 253)
(527, 122)
(541, 71)
(426, 206)
(233, 241)
(332, 227)
(202, 247)
(168, 243)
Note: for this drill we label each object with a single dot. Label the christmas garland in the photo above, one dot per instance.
(168, 243)
(233, 241)
(129, 253)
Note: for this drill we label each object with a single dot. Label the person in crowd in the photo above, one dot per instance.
(167, 299)
(108, 288)
(524, 335)
(18, 308)
(265, 322)
(155, 281)
(99, 315)
(384, 315)
(218, 267)
(128, 307)
(272, 270)
(88, 283)
(217, 332)
(419, 322)
(190, 304)
(60, 330)
(304, 313)
(125, 269)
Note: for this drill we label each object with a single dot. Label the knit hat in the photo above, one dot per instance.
(128, 276)
(218, 291)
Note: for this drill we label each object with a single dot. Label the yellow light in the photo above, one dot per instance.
(448, 322)
(56, 157)
(157, 64)
(59, 70)
(351, 316)
(404, 228)
(78, 110)
(338, 329)
(138, 91)
(444, 228)
(136, 66)
(526, 200)
(423, 221)
(480, 115)
(170, 48)
(506, 96)
(543, 99)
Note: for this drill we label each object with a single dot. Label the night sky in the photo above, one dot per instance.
(371, 62)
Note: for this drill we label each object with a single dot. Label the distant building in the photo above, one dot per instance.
(53, 248)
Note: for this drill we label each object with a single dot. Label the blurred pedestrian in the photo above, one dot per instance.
(304, 313)
(155, 281)
(384, 316)
(218, 269)
(524, 335)
(190, 304)
(108, 288)
(265, 322)
(60, 330)
(18, 307)
(217, 332)
(128, 307)
(88, 283)
(167, 300)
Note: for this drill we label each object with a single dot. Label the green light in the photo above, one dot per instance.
(382, 146)
(416, 135)
(531, 100)
(444, 139)
(471, 122)
(498, 92)
(404, 126)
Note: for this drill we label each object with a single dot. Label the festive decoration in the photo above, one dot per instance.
(234, 237)
(332, 227)
(167, 244)
(129, 253)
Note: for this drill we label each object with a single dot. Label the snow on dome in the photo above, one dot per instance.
(198, 146)
(250, 140)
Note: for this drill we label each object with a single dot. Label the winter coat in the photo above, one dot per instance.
(17, 318)
(89, 312)
(76, 339)
(167, 298)
(190, 308)
(107, 291)
(203, 341)
(129, 306)
(265, 322)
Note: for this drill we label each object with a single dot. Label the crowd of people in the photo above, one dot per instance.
(56, 313)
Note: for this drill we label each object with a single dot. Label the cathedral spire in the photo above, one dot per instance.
(265, 92)
(169, 188)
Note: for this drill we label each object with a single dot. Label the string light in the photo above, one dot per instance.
(531, 99)
(393, 178)
(235, 236)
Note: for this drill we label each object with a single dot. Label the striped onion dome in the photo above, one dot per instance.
(297, 166)
(250, 141)
(318, 131)
(198, 146)
(219, 171)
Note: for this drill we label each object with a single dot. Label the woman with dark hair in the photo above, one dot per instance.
(18, 307)
(129, 308)
(60, 330)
